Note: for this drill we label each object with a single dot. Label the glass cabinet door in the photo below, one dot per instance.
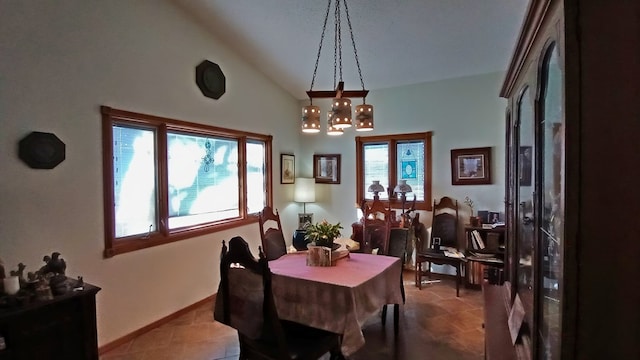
(551, 225)
(524, 239)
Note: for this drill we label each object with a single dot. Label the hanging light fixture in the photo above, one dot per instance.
(340, 115)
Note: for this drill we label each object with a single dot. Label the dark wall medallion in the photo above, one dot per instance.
(210, 79)
(41, 150)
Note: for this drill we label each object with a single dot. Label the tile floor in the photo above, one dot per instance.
(434, 324)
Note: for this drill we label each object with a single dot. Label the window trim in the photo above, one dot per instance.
(392, 141)
(111, 117)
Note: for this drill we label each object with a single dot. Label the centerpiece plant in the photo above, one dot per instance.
(323, 233)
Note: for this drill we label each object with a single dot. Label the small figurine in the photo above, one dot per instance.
(19, 273)
(54, 264)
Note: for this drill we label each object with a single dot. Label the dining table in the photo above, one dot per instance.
(336, 298)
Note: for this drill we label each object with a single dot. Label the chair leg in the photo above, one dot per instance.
(419, 275)
(396, 318)
(384, 315)
(458, 277)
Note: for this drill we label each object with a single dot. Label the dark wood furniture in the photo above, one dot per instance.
(245, 302)
(492, 256)
(271, 234)
(61, 328)
(444, 226)
(571, 88)
(376, 227)
(398, 239)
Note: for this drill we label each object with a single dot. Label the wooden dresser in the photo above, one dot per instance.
(62, 328)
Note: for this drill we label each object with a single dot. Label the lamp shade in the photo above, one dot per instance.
(403, 187)
(341, 113)
(376, 187)
(311, 119)
(364, 117)
(305, 190)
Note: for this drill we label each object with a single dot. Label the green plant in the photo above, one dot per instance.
(323, 233)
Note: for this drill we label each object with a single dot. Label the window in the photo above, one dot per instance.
(168, 180)
(390, 158)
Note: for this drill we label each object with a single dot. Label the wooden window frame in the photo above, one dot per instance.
(392, 141)
(164, 235)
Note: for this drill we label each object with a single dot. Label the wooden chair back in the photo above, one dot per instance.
(444, 223)
(271, 234)
(376, 227)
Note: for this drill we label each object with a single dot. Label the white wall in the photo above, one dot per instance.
(59, 61)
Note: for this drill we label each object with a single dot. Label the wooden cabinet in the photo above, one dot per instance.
(62, 328)
(572, 129)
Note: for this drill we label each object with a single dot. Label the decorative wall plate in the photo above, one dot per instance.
(210, 79)
(41, 150)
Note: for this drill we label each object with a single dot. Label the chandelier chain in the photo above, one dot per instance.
(353, 41)
(339, 35)
(324, 28)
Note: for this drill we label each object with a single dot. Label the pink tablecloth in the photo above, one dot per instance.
(338, 298)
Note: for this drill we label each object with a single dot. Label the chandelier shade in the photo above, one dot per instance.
(311, 119)
(364, 117)
(341, 109)
(332, 130)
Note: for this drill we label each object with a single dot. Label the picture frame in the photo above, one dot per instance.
(326, 168)
(471, 166)
(287, 169)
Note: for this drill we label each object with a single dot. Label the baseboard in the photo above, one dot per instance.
(123, 340)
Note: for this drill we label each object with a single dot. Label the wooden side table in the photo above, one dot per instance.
(61, 328)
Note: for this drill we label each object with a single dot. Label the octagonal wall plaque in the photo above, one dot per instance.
(210, 79)
(41, 150)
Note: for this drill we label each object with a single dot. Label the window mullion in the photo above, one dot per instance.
(242, 174)
(163, 180)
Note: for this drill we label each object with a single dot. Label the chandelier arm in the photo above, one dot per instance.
(324, 27)
(353, 41)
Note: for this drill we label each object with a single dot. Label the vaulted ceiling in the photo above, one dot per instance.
(399, 42)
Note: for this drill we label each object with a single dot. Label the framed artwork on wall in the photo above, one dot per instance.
(287, 169)
(471, 166)
(326, 168)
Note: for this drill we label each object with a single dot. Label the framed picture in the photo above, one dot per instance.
(471, 166)
(287, 169)
(525, 165)
(326, 168)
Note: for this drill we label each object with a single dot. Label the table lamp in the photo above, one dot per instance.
(376, 188)
(403, 188)
(304, 192)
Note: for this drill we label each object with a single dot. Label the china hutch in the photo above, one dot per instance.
(572, 178)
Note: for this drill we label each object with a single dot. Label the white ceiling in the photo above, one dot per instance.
(399, 42)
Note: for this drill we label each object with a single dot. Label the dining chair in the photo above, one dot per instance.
(245, 302)
(376, 227)
(398, 239)
(271, 234)
(444, 226)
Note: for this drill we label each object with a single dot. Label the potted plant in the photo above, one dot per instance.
(473, 220)
(323, 233)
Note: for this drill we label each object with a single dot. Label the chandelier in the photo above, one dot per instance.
(340, 115)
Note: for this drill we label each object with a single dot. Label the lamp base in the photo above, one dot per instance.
(303, 219)
(298, 239)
